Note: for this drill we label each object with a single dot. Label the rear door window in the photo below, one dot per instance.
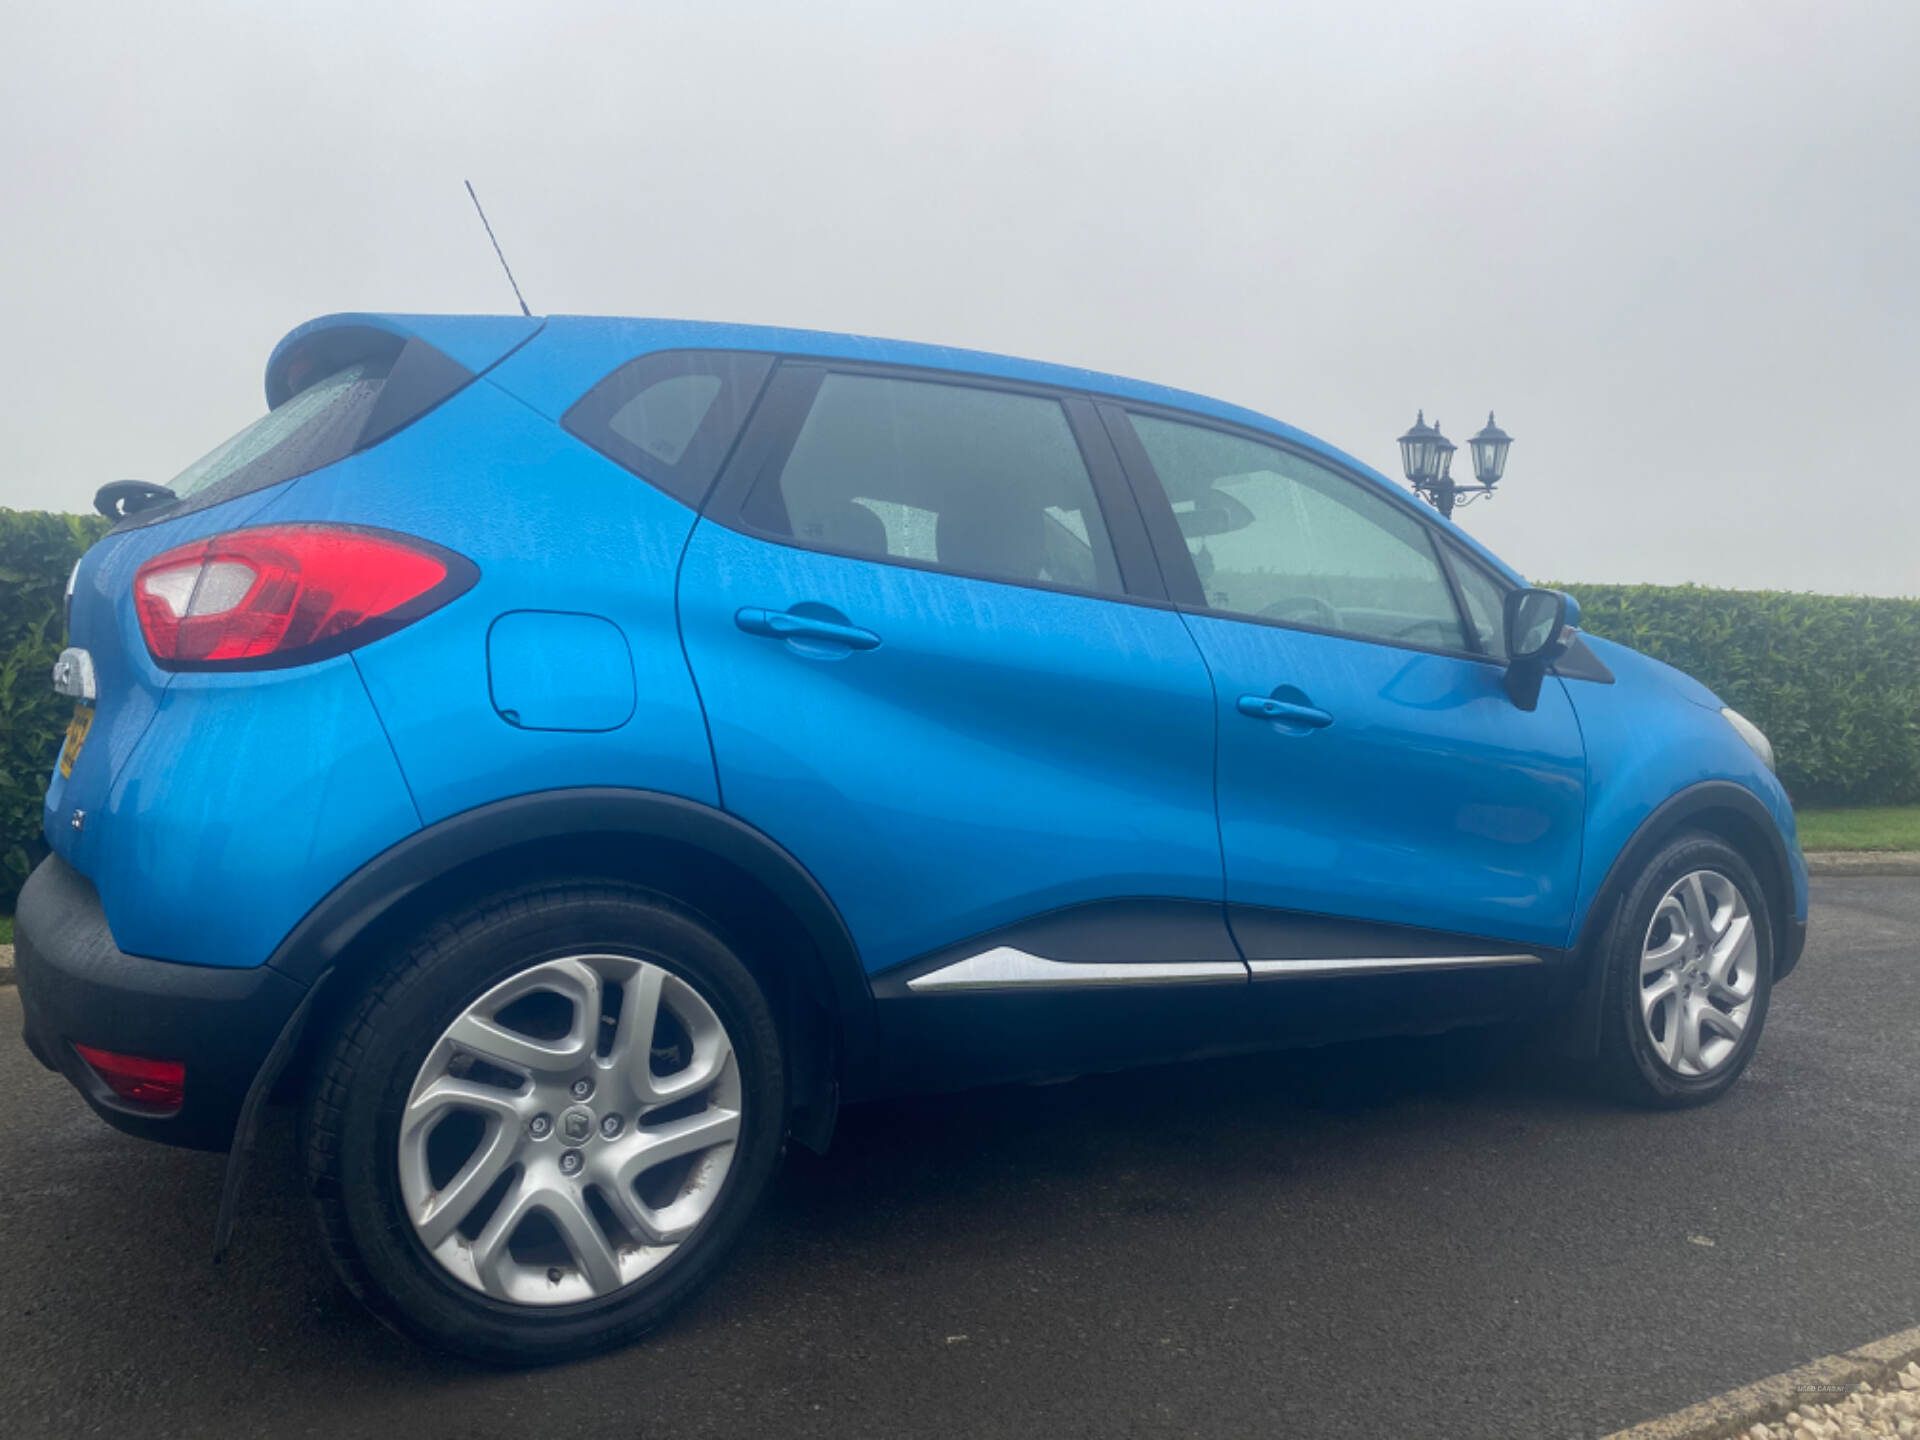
(974, 481)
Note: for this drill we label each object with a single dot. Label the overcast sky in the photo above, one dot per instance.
(1676, 244)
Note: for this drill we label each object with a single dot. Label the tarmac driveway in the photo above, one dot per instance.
(1406, 1239)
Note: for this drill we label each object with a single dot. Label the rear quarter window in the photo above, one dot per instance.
(672, 416)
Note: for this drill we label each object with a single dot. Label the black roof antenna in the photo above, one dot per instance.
(496, 250)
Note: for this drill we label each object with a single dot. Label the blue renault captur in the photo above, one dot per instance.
(571, 757)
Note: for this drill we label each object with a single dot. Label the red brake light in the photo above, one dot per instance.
(159, 1083)
(288, 594)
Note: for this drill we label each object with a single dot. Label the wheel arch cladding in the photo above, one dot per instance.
(1721, 808)
(1717, 807)
(750, 890)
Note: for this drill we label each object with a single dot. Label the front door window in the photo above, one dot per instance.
(1276, 536)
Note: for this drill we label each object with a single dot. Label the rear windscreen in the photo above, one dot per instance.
(365, 385)
(314, 428)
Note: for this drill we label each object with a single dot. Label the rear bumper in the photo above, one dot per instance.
(77, 987)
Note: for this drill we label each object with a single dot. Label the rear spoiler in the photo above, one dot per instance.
(428, 352)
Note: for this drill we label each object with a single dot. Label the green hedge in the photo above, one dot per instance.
(37, 551)
(1834, 680)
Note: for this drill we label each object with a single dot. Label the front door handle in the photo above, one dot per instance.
(1265, 707)
(786, 625)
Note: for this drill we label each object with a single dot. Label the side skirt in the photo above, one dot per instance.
(1115, 984)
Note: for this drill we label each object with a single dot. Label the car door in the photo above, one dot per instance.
(1384, 805)
(939, 668)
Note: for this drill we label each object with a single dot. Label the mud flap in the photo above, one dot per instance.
(244, 1131)
(1576, 1034)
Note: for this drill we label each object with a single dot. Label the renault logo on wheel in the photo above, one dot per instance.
(576, 1125)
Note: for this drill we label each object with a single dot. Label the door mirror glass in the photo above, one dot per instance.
(1535, 622)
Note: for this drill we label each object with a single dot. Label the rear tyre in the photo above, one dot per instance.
(546, 1125)
(1689, 976)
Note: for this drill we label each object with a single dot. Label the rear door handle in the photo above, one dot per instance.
(1265, 707)
(785, 625)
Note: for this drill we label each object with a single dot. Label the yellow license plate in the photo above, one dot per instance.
(76, 737)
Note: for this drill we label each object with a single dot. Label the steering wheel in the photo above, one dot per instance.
(1303, 607)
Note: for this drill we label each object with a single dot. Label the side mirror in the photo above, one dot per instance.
(1538, 630)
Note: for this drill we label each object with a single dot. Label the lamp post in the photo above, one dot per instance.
(1427, 457)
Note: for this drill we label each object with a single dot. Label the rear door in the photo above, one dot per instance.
(939, 668)
(1384, 806)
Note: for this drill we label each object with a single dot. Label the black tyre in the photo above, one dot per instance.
(1689, 974)
(546, 1124)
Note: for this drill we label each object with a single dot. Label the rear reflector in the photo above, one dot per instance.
(160, 1084)
(288, 594)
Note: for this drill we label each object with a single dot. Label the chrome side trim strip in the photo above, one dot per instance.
(1273, 969)
(1005, 968)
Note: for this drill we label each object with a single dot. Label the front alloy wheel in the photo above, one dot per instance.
(1688, 974)
(1699, 969)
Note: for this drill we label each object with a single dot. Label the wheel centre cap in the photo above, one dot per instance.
(576, 1124)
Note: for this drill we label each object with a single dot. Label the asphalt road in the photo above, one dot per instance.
(1410, 1239)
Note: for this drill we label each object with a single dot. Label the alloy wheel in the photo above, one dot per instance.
(1699, 968)
(570, 1129)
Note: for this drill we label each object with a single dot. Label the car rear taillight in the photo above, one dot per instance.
(159, 1084)
(281, 595)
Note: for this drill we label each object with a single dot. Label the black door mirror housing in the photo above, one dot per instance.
(1538, 632)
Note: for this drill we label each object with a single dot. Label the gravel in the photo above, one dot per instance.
(1890, 1408)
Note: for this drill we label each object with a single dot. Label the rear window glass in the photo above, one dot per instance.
(313, 428)
(368, 384)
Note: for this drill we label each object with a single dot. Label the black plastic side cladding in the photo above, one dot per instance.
(552, 816)
(1581, 1035)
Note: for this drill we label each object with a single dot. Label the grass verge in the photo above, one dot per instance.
(1866, 827)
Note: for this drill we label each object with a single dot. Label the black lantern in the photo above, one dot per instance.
(1446, 448)
(1490, 453)
(1427, 457)
(1421, 455)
